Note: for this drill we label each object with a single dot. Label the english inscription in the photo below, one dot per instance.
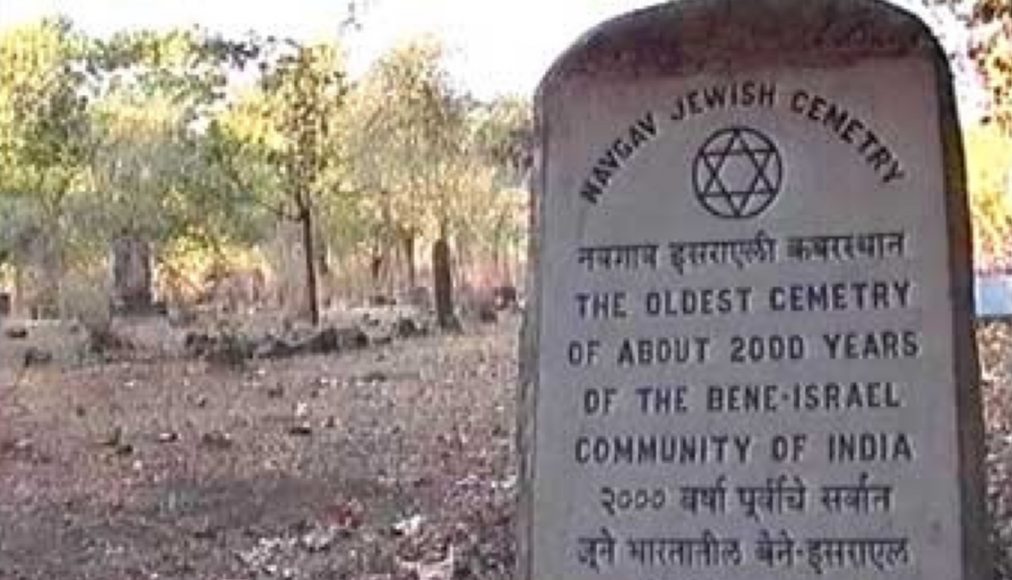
(745, 319)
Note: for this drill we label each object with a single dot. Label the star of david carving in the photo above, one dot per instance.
(737, 173)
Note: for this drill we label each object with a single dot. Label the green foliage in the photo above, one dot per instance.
(504, 136)
(408, 128)
(154, 173)
(307, 90)
(191, 68)
(108, 131)
(188, 139)
(19, 223)
(44, 124)
(431, 157)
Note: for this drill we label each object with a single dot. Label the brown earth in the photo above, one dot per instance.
(395, 462)
(386, 463)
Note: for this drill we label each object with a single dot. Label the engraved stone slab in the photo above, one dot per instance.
(748, 351)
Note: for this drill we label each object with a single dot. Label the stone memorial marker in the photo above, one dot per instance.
(749, 350)
(132, 275)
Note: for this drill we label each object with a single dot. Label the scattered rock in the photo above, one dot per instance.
(168, 437)
(226, 347)
(347, 515)
(113, 438)
(205, 531)
(407, 327)
(325, 341)
(409, 526)
(382, 339)
(420, 297)
(439, 570)
(272, 347)
(17, 449)
(506, 297)
(487, 313)
(197, 344)
(320, 539)
(375, 377)
(352, 338)
(217, 440)
(16, 333)
(35, 356)
(327, 382)
(382, 300)
(451, 324)
(102, 341)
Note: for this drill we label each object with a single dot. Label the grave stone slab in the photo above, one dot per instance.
(132, 275)
(749, 348)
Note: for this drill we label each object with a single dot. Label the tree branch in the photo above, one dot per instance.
(237, 181)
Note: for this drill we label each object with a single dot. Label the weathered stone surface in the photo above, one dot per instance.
(132, 275)
(748, 349)
(235, 346)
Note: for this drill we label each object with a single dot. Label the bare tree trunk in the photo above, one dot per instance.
(508, 277)
(324, 279)
(375, 264)
(375, 270)
(323, 255)
(387, 240)
(498, 264)
(312, 298)
(58, 272)
(132, 274)
(17, 309)
(443, 285)
(462, 263)
(389, 267)
(408, 243)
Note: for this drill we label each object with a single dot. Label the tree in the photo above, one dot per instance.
(287, 133)
(393, 106)
(504, 138)
(153, 187)
(45, 130)
(415, 149)
(113, 130)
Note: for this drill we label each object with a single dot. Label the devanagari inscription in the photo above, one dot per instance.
(778, 496)
(861, 498)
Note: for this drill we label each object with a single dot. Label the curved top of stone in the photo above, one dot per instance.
(693, 36)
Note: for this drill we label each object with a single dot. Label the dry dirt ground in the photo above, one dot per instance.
(393, 462)
(385, 464)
